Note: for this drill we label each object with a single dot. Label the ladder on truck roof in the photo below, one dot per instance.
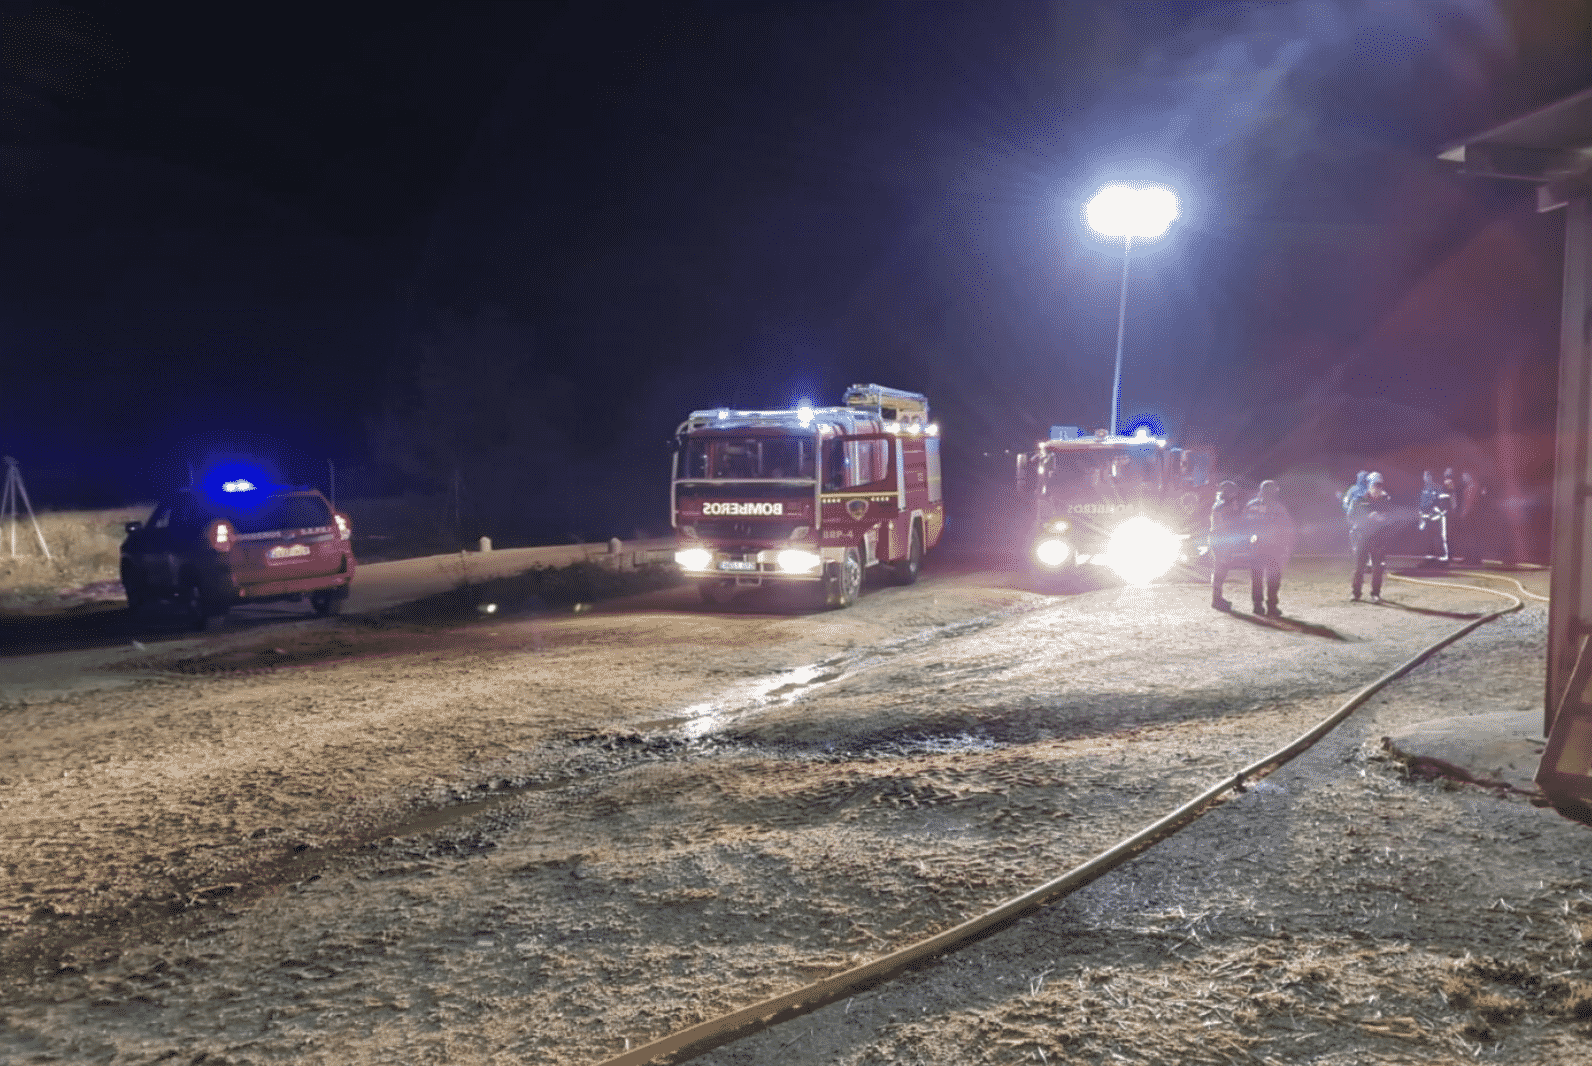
(893, 405)
(817, 419)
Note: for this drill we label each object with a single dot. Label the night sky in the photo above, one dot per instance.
(516, 243)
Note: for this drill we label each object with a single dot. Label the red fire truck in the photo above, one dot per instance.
(1125, 502)
(811, 496)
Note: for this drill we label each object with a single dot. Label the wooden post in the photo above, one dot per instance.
(1570, 609)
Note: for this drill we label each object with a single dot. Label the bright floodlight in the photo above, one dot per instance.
(1127, 211)
(1124, 211)
(1141, 550)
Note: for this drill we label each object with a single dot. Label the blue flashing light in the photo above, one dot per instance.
(236, 483)
(1143, 429)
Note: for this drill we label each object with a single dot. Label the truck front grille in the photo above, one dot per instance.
(728, 531)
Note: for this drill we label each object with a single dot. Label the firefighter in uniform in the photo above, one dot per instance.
(1228, 537)
(1355, 491)
(1371, 525)
(1435, 502)
(1450, 499)
(1272, 528)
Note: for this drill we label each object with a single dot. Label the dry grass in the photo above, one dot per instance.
(85, 547)
(84, 550)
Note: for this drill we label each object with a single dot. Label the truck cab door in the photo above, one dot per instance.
(860, 480)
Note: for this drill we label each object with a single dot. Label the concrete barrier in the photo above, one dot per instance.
(378, 586)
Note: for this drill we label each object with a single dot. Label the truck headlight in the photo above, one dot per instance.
(693, 558)
(1057, 525)
(1052, 552)
(1141, 550)
(793, 561)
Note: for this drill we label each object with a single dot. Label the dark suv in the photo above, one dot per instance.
(205, 551)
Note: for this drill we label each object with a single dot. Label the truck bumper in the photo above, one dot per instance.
(750, 568)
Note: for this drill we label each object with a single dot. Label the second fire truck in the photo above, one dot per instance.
(1125, 502)
(811, 496)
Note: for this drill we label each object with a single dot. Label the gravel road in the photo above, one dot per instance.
(542, 838)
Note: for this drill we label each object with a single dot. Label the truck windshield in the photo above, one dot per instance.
(751, 458)
(1102, 475)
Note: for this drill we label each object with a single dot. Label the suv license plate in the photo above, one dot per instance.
(737, 564)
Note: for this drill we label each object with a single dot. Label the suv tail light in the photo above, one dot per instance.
(220, 535)
(344, 530)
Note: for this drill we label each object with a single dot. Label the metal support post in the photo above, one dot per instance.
(1122, 322)
(13, 492)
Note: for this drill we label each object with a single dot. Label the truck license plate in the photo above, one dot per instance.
(737, 564)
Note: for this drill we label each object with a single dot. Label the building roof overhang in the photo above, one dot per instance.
(1551, 147)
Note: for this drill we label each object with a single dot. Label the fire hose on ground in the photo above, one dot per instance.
(716, 1032)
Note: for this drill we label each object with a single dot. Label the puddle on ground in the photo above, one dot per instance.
(928, 744)
(699, 720)
(696, 730)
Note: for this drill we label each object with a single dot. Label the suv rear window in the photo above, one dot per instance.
(285, 512)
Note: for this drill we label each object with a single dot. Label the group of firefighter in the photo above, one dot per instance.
(1261, 529)
(1261, 532)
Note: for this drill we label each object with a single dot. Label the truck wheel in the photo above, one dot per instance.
(845, 583)
(906, 571)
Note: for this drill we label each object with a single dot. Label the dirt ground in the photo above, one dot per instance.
(546, 838)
